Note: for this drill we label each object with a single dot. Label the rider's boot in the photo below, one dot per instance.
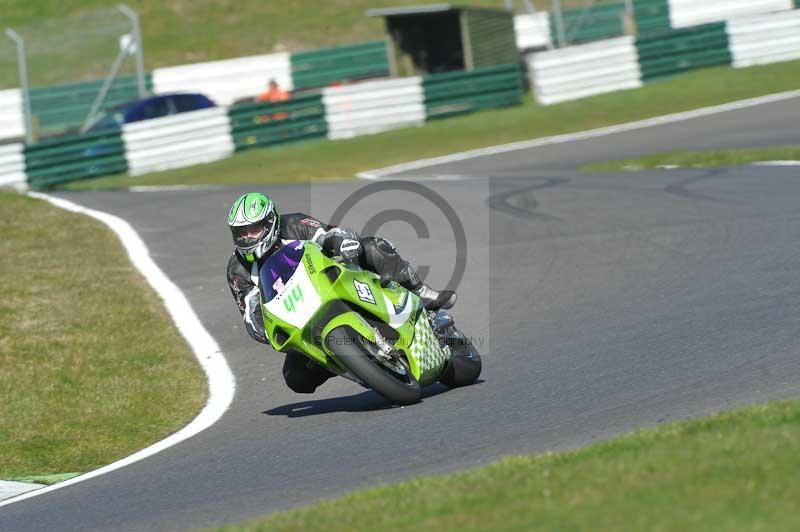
(382, 257)
(435, 299)
(431, 299)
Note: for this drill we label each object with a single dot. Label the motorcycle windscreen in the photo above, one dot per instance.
(279, 268)
(288, 291)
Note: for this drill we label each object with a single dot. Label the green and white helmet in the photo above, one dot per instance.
(255, 224)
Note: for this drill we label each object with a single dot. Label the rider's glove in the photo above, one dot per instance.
(349, 250)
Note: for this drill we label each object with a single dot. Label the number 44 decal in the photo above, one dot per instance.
(293, 298)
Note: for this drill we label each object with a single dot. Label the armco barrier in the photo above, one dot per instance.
(228, 80)
(533, 30)
(60, 107)
(12, 122)
(12, 164)
(454, 93)
(319, 68)
(765, 39)
(651, 16)
(373, 106)
(579, 71)
(678, 51)
(593, 23)
(263, 124)
(65, 159)
(686, 13)
(175, 141)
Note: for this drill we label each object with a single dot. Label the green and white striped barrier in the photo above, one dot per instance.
(60, 107)
(12, 164)
(373, 106)
(687, 13)
(12, 121)
(196, 137)
(616, 64)
(765, 39)
(585, 70)
(228, 80)
(176, 141)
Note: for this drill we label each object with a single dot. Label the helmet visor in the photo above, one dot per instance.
(247, 236)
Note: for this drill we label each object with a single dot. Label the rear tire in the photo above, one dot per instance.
(465, 366)
(356, 354)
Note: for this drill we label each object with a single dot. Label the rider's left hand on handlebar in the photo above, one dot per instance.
(349, 250)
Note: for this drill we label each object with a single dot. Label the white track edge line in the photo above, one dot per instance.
(221, 381)
(777, 163)
(580, 135)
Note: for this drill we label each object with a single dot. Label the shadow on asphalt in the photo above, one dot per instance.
(366, 401)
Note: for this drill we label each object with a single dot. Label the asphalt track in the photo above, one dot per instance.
(607, 302)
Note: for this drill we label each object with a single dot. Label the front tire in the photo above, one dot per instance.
(358, 356)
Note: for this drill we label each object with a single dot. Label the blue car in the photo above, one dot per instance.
(149, 108)
(106, 155)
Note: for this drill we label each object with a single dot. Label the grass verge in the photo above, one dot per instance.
(323, 159)
(699, 159)
(92, 367)
(188, 31)
(735, 471)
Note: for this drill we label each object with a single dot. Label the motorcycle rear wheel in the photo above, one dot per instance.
(359, 356)
(465, 366)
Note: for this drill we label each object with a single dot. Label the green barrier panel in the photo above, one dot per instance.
(677, 51)
(61, 160)
(592, 23)
(263, 124)
(61, 107)
(651, 16)
(319, 68)
(456, 93)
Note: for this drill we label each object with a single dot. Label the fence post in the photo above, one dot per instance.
(23, 80)
(137, 34)
(559, 22)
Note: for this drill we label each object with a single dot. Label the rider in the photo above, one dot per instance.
(259, 230)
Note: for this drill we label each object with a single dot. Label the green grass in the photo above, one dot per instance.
(91, 367)
(191, 31)
(323, 159)
(699, 159)
(737, 471)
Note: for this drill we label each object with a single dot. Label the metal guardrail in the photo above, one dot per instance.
(176, 141)
(687, 13)
(373, 106)
(263, 124)
(12, 118)
(651, 16)
(456, 93)
(59, 107)
(227, 80)
(765, 39)
(591, 23)
(65, 159)
(677, 51)
(12, 164)
(319, 68)
(585, 70)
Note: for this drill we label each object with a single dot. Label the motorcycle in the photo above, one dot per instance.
(361, 327)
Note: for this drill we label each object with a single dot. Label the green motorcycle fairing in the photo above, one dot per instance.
(305, 295)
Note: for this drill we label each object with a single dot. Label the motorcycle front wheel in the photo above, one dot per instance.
(391, 379)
